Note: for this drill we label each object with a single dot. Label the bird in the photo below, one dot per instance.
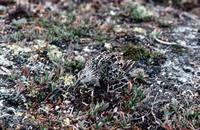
(106, 71)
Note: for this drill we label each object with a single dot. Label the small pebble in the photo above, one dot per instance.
(108, 46)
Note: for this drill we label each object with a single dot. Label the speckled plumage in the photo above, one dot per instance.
(107, 70)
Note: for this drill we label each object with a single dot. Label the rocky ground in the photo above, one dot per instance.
(44, 44)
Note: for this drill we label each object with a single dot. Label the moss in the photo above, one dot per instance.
(140, 13)
(74, 65)
(137, 53)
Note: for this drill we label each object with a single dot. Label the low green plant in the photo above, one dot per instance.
(96, 108)
(137, 53)
(138, 96)
(17, 36)
(141, 13)
(18, 23)
(74, 65)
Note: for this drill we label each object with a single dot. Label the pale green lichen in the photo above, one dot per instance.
(139, 30)
(54, 54)
(68, 79)
(17, 49)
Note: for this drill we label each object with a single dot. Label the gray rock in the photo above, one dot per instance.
(2, 9)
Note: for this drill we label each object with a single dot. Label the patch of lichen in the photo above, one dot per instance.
(137, 53)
